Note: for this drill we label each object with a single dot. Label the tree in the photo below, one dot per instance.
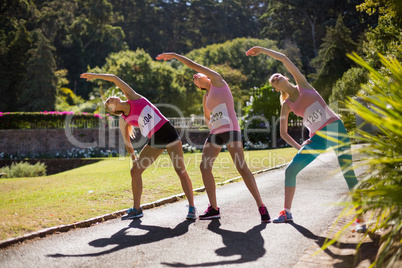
(385, 39)
(264, 102)
(154, 80)
(233, 54)
(331, 62)
(347, 87)
(15, 41)
(301, 22)
(14, 69)
(139, 20)
(305, 23)
(262, 105)
(40, 83)
(91, 37)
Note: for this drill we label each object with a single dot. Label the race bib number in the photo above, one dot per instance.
(148, 120)
(314, 117)
(219, 116)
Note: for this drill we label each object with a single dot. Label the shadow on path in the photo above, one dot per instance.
(366, 251)
(122, 240)
(249, 245)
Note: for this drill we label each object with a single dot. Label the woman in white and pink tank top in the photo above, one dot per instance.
(137, 111)
(312, 107)
(221, 118)
(325, 127)
(219, 105)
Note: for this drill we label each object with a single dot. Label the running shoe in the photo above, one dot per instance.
(284, 216)
(133, 213)
(192, 213)
(210, 214)
(360, 226)
(264, 214)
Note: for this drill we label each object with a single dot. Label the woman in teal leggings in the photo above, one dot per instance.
(325, 127)
(333, 135)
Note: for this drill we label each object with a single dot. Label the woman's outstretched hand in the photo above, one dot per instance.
(306, 142)
(254, 51)
(165, 56)
(88, 76)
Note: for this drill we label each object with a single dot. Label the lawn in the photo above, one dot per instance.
(31, 204)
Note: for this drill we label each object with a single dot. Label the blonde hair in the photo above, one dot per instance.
(283, 95)
(119, 113)
(109, 109)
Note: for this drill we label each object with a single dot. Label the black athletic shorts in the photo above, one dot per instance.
(165, 135)
(224, 138)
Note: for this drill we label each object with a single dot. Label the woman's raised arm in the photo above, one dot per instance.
(127, 90)
(295, 72)
(216, 78)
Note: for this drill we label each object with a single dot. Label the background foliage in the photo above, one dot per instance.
(46, 42)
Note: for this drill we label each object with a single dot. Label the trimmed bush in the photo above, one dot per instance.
(23, 169)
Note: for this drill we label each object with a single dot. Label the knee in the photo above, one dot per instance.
(205, 167)
(241, 166)
(136, 170)
(290, 177)
(181, 171)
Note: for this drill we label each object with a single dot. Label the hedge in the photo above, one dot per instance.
(35, 120)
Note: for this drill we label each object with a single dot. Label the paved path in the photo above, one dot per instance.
(163, 238)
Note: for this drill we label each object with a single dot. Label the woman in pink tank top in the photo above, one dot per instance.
(325, 127)
(137, 111)
(221, 118)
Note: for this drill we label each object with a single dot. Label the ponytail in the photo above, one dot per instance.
(283, 97)
(131, 131)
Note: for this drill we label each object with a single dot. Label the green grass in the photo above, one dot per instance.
(31, 204)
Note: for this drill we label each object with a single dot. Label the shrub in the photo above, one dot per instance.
(52, 119)
(379, 192)
(348, 86)
(23, 169)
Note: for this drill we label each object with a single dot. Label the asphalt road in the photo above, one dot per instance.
(163, 238)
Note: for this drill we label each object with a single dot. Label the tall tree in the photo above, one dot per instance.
(40, 83)
(91, 38)
(386, 37)
(332, 62)
(14, 43)
(304, 23)
(14, 70)
(142, 22)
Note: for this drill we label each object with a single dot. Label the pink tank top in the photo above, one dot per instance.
(219, 103)
(146, 116)
(312, 107)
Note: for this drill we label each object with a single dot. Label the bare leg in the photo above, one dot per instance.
(175, 151)
(147, 156)
(236, 151)
(289, 194)
(209, 154)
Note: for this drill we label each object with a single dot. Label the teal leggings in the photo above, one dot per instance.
(334, 135)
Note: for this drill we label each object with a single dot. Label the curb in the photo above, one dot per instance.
(113, 215)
